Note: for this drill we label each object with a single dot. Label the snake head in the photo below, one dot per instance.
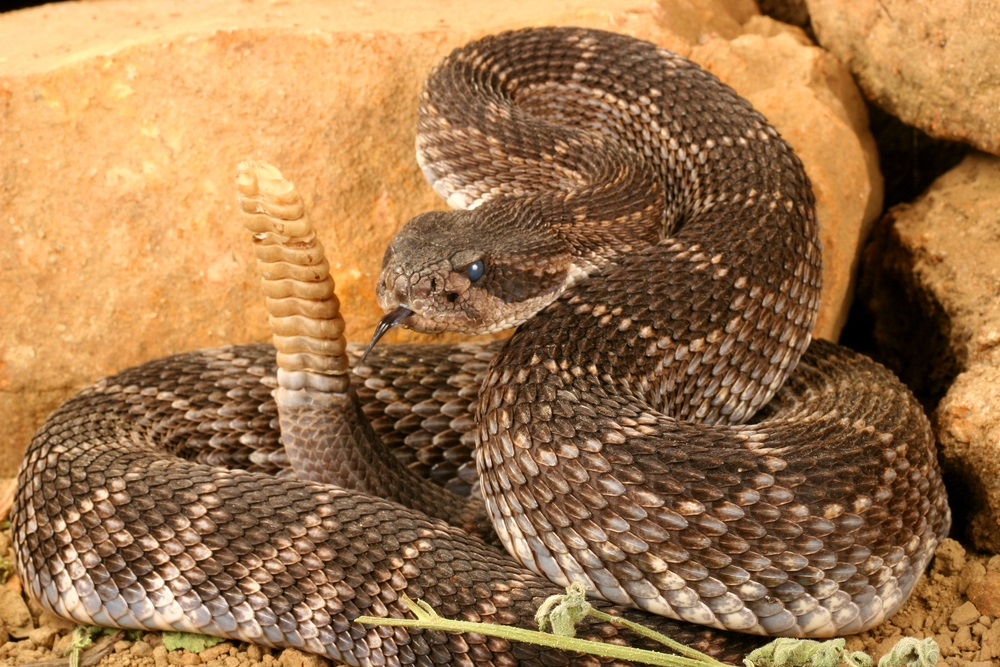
(477, 271)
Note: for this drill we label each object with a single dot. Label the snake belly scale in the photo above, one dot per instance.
(660, 427)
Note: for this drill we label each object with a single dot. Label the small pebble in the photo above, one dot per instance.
(964, 640)
(141, 648)
(183, 658)
(973, 572)
(291, 657)
(14, 613)
(944, 643)
(966, 614)
(993, 564)
(50, 619)
(42, 637)
(59, 646)
(215, 652)
(950, 558)
(991, 643)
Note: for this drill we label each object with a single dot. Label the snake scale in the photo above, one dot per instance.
(660, 427)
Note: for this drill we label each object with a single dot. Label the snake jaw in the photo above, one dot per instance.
(391, 319)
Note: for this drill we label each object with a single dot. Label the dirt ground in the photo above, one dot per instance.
(939, 608)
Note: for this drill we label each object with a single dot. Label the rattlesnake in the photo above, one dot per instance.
(660, 428)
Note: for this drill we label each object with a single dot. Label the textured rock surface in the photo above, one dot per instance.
(968, 427)
(936, 300)
(935, 65)
(122, 123)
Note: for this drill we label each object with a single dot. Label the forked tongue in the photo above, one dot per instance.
(391, 319)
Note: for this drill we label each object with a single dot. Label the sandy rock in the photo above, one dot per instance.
(42, 637)
(935, 65)
(161, 657)
(141, 649)
(123, 122)
(967, 614)
(931, 274)
(14, 614)
(985, 595)
(291, 657)
(968, 427)
(933, 291)
(970, 575)
(991, 643)
(950, 558)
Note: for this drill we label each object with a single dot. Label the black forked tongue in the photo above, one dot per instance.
(391, 319)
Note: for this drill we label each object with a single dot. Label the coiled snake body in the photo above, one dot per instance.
(659, 428)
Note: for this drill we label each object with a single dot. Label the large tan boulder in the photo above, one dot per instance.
(123, 122)
(967, 423)
(935, 65)
(934, 287)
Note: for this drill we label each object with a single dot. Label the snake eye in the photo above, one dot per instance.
(475, 270)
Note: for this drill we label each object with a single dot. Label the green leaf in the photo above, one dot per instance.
(788, 652)
(912, 652)
(189, 641)
(559, 614)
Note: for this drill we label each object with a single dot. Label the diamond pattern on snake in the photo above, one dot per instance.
(660, 428)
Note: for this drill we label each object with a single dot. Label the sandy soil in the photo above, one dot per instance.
(939, 608)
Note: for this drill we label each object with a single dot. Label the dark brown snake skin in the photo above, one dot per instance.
(663, 431)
